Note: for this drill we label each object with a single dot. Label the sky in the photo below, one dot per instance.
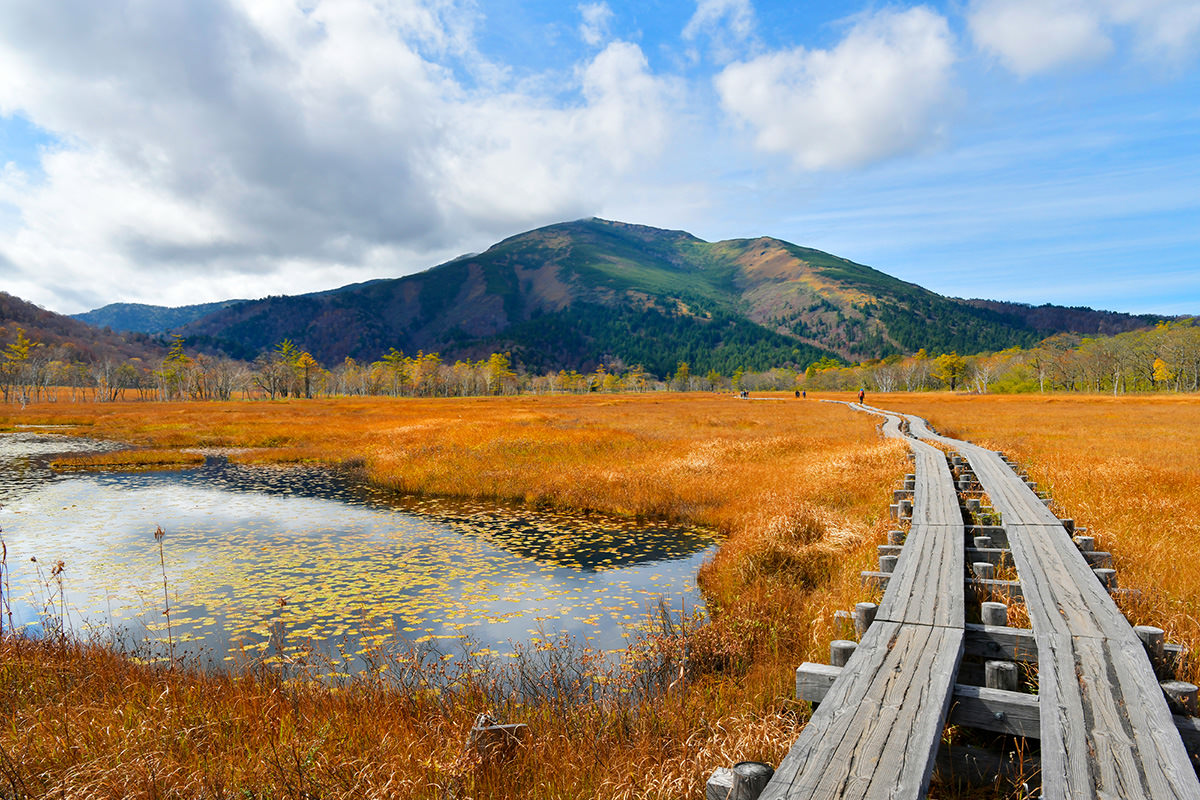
(183, 151)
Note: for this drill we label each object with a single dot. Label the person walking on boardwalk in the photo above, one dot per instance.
(861, 394)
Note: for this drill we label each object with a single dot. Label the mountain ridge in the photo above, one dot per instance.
(587, 292)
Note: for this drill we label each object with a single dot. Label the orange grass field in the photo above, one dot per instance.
(800, 488)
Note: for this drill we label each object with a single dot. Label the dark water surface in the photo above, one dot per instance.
(259, 558)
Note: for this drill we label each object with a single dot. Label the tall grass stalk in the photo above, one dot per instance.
(159, 535)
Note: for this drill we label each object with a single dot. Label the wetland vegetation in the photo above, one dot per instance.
(798, 491)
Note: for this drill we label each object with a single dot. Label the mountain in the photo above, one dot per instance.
(75, 340)
(577, 294)
(1049, 319)
(142, 318)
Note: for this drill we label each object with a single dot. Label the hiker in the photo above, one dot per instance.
(861, 395)
(804, 394)
(797, 394)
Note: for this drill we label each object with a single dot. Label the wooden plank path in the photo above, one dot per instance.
(877, 732)
(1106, 730)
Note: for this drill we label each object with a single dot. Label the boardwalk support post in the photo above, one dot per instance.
(1152, 639)
(864, 615)
(749, 779)
(1181, 697)
(1000, 675)
(840, 651)
(994, 614)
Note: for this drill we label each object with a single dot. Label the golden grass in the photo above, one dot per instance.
(129, 459)
(1127, 468)
(800, 488)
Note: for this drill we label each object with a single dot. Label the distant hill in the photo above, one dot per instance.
(577, 294)
(148, 319)
(79, 341)
(1049, 319)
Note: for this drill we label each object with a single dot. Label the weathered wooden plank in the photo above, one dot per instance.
(1104, 724)
(995, 710)
(993, 587)
(925, 586)
(887, 707)
(992, 641)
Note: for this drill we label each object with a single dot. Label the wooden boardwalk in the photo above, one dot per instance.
(1100, 713)
(889, 704)
(1106, 730)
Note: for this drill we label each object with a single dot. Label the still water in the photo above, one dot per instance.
(259, 558)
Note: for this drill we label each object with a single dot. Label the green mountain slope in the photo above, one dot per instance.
(581, 293)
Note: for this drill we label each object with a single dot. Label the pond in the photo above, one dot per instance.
(262, 558)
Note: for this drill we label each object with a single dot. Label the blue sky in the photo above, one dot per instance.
(1030, 150)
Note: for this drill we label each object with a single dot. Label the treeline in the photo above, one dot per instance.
(1165, 358)
(1162, 359)
(32, 371)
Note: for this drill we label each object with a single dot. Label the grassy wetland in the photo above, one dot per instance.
(797, 489)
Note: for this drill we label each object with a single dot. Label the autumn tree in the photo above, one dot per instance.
(949, 368)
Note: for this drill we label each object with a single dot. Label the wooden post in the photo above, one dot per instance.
(983, 542)
(749, 779)
(906, 509)
(888, 563)
(895, 538)
(973, 505)
(1181, 697)
(1108, 577)
(984, 569)
(840, 651)
(1086, 544)
(1069, 524)
(995, 614)
(719, 785)
(1152, 639)
(1000, 675)
(864, 615)
(495, 741)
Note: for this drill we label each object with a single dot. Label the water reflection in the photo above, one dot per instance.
(310, 556)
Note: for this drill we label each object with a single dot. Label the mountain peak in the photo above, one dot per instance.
(577, 294)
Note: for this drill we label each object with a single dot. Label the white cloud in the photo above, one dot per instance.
(1030, 36)
(596, 19)
(204, 142)
(727, 24)
(1034, 36)
(878, 93)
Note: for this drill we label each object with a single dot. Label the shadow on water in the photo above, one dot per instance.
(257, 557)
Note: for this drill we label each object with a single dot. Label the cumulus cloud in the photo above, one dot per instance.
(877, 93)
(1034, 36)
(302, 144)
